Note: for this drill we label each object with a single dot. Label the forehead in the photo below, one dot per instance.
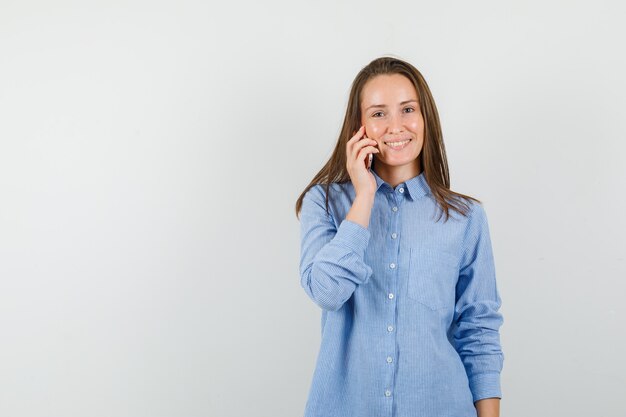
(387, 89)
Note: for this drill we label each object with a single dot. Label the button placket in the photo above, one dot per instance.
(391, 293)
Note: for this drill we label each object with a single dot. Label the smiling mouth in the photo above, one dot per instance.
(398, 144)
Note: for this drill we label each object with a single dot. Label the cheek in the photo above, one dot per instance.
(417, 125)
(372, 130)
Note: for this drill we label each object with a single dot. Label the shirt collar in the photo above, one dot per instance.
(416, 187)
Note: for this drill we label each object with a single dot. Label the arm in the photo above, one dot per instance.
(476, 316)
(488, 407)
(331, 258)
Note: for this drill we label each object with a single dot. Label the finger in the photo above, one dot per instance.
(359, 130)
(362, 143)
(350, 151)
(365, 151)
(357, 135)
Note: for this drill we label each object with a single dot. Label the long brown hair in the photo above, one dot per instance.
(433, 154)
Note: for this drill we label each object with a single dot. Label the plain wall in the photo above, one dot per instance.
(151, 154)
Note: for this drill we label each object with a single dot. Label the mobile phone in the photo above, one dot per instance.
(370, 158)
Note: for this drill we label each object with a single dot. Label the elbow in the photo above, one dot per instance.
(323, 290)
(329, 305)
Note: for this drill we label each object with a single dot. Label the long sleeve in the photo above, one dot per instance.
(331, 260)
(477, 337)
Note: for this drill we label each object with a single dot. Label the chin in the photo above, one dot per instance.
(400, 161)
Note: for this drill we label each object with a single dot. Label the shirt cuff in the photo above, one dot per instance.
(485, 386)
(354, 236)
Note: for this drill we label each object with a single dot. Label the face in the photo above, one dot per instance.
(391, 115)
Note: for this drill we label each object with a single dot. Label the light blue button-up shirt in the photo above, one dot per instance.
(410, 321)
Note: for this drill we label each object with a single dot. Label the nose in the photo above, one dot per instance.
(395, 124)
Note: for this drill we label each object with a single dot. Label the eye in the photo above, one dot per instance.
(411, 109)
(378, 112)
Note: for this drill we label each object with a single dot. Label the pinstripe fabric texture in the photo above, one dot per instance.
(409, 306)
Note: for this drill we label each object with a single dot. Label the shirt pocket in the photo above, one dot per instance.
(432, 278)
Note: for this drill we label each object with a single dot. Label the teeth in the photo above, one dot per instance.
(397, 144)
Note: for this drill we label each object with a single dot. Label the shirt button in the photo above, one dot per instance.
(389, 359)
(394, 235)
(390, 295)
(387, 393)
(392, 265)
(390, 328)
(394, 208)
(401, 190)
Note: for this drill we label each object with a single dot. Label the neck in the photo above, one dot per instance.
(394, 175)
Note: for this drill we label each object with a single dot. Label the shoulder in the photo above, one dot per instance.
(317, 192)
(477, 223)
(477, 209)
(340, 197)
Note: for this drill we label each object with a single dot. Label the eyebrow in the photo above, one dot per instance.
(383, 105)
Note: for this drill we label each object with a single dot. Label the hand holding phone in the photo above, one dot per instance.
(359, 155)
(370, 156)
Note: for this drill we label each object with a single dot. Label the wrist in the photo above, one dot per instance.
(365, 197)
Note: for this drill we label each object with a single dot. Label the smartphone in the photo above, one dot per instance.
(370, 158)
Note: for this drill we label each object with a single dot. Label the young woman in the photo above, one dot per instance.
(410, 321)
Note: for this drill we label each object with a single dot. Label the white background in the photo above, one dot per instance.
(151, 154)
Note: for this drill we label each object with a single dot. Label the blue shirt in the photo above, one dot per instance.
(410, 321)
